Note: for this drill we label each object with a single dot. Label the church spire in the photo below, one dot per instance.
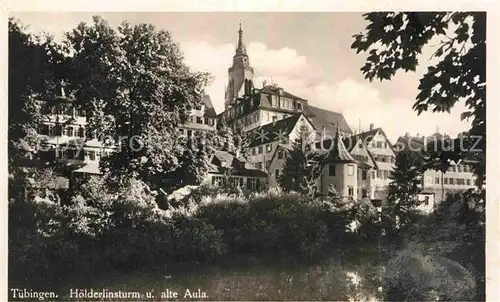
(241, 47)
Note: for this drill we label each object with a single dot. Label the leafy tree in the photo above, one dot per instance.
(136, 90)
(242, 141)
(32, 75)
(193, 168)
(395, 41)
(225, 139)
(405, 185)
(302, 165)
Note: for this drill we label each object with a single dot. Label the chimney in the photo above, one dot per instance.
(264, 83)
(372, 126)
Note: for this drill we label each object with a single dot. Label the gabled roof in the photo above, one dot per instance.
(367, 136)
(239, 164)
(275, 90)
(324, 118)
(271, 132)
(209, 107)
(280, 147)
(348, 144)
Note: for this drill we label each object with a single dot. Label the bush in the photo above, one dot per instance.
(125, 229)
(104, 231)
(271, 223)
(412, 275)
(455, 231)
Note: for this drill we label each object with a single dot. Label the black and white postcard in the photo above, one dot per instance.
(250, 152)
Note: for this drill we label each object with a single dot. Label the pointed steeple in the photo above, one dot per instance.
(241, 47)
(240, 74)
(339, 152)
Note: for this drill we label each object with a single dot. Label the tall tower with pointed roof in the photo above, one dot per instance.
(240, 75)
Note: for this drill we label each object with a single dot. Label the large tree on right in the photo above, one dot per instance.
(395, 41)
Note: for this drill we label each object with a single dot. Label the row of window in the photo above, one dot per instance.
(60, 130)
(260, 149)
(62, 109)
(381, 174)
(452, 181)
(252, 183)
(380, 145)
(284, 103)
(81, 154)
(202, 120)
(384, 158)
(460, 168)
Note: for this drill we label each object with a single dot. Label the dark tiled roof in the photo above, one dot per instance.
(240, 165)
(209, 107)
(339, 152)
(324, 118)
(274, 90)
(270, 132)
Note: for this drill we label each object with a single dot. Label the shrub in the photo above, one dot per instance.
(412, 275)
(269, 224)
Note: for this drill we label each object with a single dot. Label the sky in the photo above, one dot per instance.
(308, 54)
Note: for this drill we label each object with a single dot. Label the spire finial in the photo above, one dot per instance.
(241, 48)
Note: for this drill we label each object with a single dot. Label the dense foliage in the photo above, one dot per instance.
(32, 73)
(125, 229)
(136, 91)
(448, 246)
(302, 166)
(405, 185)
(457, 74)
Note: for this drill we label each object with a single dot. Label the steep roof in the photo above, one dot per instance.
(324, 118)
(339, 152)
(271, 132)
(209, 107)
(275, 90)
(239, 164)
(367, 136)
